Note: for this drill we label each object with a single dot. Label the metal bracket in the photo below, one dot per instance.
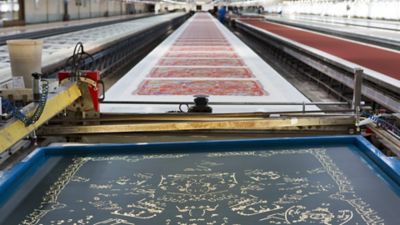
(356, 106)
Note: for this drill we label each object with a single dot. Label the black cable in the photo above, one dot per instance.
(77, 61)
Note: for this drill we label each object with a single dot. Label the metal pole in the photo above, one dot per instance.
(90, 8)
(108, 8)
(356, 106)
(21, 12)
(227, 103)
(79, 11)
(12, 9)
(121, 7)
(47, 11)
(66, 15)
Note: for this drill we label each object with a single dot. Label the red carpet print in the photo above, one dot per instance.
(201, 72)
(227, 55)
(205, 62)
(202, 40)
(194, 87)
(202, 37)
(201, 48)
(200, 62)
(200, 44)
(374, 58)
(196, 35)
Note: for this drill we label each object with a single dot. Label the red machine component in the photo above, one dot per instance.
(90, 82)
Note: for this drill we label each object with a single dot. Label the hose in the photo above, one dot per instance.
(383, 123)
(29, 120)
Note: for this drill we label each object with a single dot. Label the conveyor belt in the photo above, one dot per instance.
(202, 57)
(382, 60)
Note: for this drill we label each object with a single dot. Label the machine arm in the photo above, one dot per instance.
(15, 130)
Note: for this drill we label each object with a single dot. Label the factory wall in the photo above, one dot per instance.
(43, 11)
(207, 7)
(95, 8)
(163, 7)
(39, 11)
(140, 7)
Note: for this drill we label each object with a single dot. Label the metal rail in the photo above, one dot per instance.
(123, 117)
(293, 123)
(225, 103)
(302, 104)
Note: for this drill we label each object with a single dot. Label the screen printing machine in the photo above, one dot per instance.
(65, 160)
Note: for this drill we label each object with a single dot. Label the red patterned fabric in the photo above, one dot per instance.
(209, 55)
(217, 40)
(201, 44)
(195, 87)
(200, 62)
(201, 48)
(200, 72)
(202, 57)
(194, 39)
